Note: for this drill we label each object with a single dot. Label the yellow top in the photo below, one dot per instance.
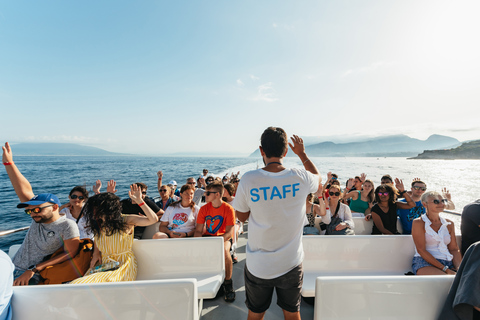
(117, 247)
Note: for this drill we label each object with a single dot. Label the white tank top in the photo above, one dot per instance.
(436, 242)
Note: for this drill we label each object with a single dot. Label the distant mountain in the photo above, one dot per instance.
(396, 145)
(59, 149)
(468, 150)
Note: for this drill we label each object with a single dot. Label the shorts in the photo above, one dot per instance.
(307, 230)
(36, 279)
(259, 292)
(419, 262)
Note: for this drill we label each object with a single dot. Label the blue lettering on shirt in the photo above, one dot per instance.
(269, 193)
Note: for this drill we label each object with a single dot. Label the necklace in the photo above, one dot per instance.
(274, 162)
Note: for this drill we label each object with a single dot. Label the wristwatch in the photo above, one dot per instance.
(33, 268)
(445, 268)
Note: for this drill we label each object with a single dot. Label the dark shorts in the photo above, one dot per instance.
(419, 262)
(288, 287)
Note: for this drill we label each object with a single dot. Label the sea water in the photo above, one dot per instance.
(58, 175)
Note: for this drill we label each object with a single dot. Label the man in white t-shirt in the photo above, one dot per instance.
(273, 200)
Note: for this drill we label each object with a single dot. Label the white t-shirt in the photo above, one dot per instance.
(180, 219)
(6, 282)
(344, 213)
(84, 233)
(276, 201)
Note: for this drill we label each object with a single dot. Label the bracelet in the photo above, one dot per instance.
(445, 269)
(7, 163)
(141, 204)
(306, 161)
(186, 235)
(402, 192)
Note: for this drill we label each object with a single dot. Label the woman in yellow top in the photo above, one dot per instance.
(114, 235)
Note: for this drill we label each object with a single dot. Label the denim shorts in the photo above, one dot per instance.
(419, 262)
(310, 230)
(288, 287)
(36, 279)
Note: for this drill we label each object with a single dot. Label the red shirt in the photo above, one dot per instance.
(216, 219)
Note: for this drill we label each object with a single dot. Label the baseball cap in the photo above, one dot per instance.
(173, 182)
(39, 199)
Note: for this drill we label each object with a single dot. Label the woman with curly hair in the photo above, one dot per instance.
(384, 212)
(113, 233)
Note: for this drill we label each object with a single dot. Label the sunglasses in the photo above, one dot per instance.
(144, 192)
(36, 210)
(334, 193)
(382, 193)
(191, 182)
(74, 196)
(207, 193)
(163, 190)
(436, 201)
(333, 178)
(420, 188)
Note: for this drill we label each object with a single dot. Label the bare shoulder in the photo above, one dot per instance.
(418, 222)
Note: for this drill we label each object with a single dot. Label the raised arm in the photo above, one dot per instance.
(150, 217)
(401, 205)
(159, 181)
(446, 194)
(20, 184)
(299, 149)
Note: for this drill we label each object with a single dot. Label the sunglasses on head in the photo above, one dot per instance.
(74, 196)
(36, 210)
(210, 192)
(382, 193)
(334, 193)
(436, 201)
(420, 188)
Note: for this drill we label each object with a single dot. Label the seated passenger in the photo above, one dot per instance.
(315, 210)
(172, 194)
(387, 179)
(48, 232)
(408, 215)
(436, 249)
(130, 207)
(339, 213)
(228, 196)
(165, 199)
(218, 219)
(197, 196)
(362, 201)
(384, 212)
(113, 233)
(73, 210)
(179, 219)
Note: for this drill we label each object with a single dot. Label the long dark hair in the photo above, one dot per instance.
(80, 189)
(103, 214)
(392, 195)
(184, 188)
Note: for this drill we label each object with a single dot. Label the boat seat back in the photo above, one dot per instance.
(381, 297)
(157, 299)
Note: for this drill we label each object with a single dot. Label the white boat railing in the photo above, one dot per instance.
(4, 233)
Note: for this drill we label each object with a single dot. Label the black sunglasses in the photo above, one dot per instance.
(74, 196)
(163, 190)
(436, 201)
(36, 210)
(210, 192)
(334, 193)
(419, 188)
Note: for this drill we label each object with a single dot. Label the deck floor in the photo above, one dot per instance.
(219, 309)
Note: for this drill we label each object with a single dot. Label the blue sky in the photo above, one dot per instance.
(157, 77)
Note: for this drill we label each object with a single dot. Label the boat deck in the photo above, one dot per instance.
(219, 309)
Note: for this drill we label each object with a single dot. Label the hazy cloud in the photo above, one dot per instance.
(254, 78)
(240, 83)
(266, 93)
(369, 68)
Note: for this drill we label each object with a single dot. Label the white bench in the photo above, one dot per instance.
(158, 299)
(199, 258)
(362, 227)
(381, 297)
(150, 230)
(355, 255)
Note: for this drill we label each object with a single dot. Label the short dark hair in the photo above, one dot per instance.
(230, 187)
(274, 142)
(141, 185)
(387, 176)
(216, 186)
(80, 189)
(418, 181)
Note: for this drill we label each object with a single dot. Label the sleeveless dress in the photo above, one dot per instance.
(116, 247)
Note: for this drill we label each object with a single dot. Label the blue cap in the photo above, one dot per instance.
(39, 199)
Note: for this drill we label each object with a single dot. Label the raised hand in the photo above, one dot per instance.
(97, 186)
(7, 156)
(363, 176)
(160, 174)
(111, 185)
(416, 179)
(297, 147)
(329, 176)
(399, 185)
(135, 194)
(350, 183)
(446, 194)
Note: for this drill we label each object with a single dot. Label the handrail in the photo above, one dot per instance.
(4, 233)
(453, 212)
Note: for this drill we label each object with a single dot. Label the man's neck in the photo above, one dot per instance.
(217, 203)
(274, 164)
